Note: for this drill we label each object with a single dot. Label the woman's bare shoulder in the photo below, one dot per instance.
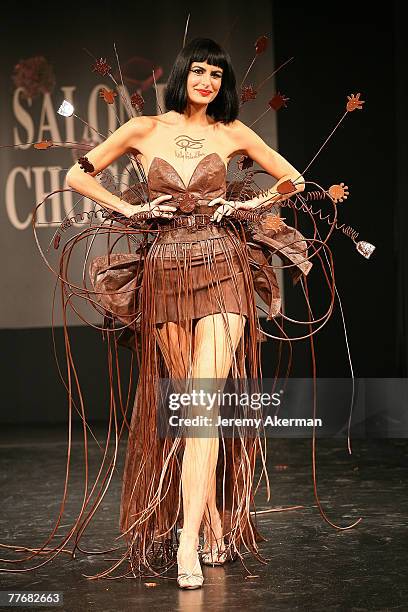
(146, 125)
(137, 129)
(244, 137)
(237, 128)
(141, 125)
(238, 135)
(169, 119)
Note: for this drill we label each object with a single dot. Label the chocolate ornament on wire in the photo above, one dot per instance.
(261, 44)
(101, 66)
(245, 162)
(108, 95)
(278, 101)
(338, 193)
(248, 93)
(354, 103)
(137, 102)
(44, 144)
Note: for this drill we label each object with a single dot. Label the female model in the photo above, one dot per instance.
(197, 302)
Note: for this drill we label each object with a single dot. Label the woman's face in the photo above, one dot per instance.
(203, 82)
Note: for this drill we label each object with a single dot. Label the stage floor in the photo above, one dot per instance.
(312, 566)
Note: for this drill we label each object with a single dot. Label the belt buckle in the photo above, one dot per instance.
(185, 221)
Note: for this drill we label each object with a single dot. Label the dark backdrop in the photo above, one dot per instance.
(338, 51)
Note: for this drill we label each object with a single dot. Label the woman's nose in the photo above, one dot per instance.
(205, 80)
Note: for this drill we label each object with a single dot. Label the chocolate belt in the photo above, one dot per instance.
(194, 220)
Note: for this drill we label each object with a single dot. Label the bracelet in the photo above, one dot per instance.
(139, 216)
(132, 220)
(85, 164)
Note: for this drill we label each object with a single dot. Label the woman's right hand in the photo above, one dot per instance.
(155, 208)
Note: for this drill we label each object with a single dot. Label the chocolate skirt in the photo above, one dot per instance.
(195, 274)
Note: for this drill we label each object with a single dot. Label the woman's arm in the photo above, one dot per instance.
(271, 161)
(289, 180)
(122, 141)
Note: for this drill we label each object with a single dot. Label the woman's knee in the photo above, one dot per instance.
(216, 340)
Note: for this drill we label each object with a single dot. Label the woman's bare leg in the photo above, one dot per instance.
(213, 527)
(215, 342)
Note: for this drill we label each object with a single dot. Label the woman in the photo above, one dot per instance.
(197, 301)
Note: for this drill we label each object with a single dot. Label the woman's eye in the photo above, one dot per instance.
(199, 71)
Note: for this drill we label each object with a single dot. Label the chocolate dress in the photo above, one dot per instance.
(194, 268)
(173, 273)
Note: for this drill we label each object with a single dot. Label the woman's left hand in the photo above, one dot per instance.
(225, 210)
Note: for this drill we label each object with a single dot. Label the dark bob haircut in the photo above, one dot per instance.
(225, 106)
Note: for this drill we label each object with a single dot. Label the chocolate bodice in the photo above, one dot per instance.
(207, 182)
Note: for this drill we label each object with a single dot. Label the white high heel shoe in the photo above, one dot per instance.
(190, 579)
(216, 555)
